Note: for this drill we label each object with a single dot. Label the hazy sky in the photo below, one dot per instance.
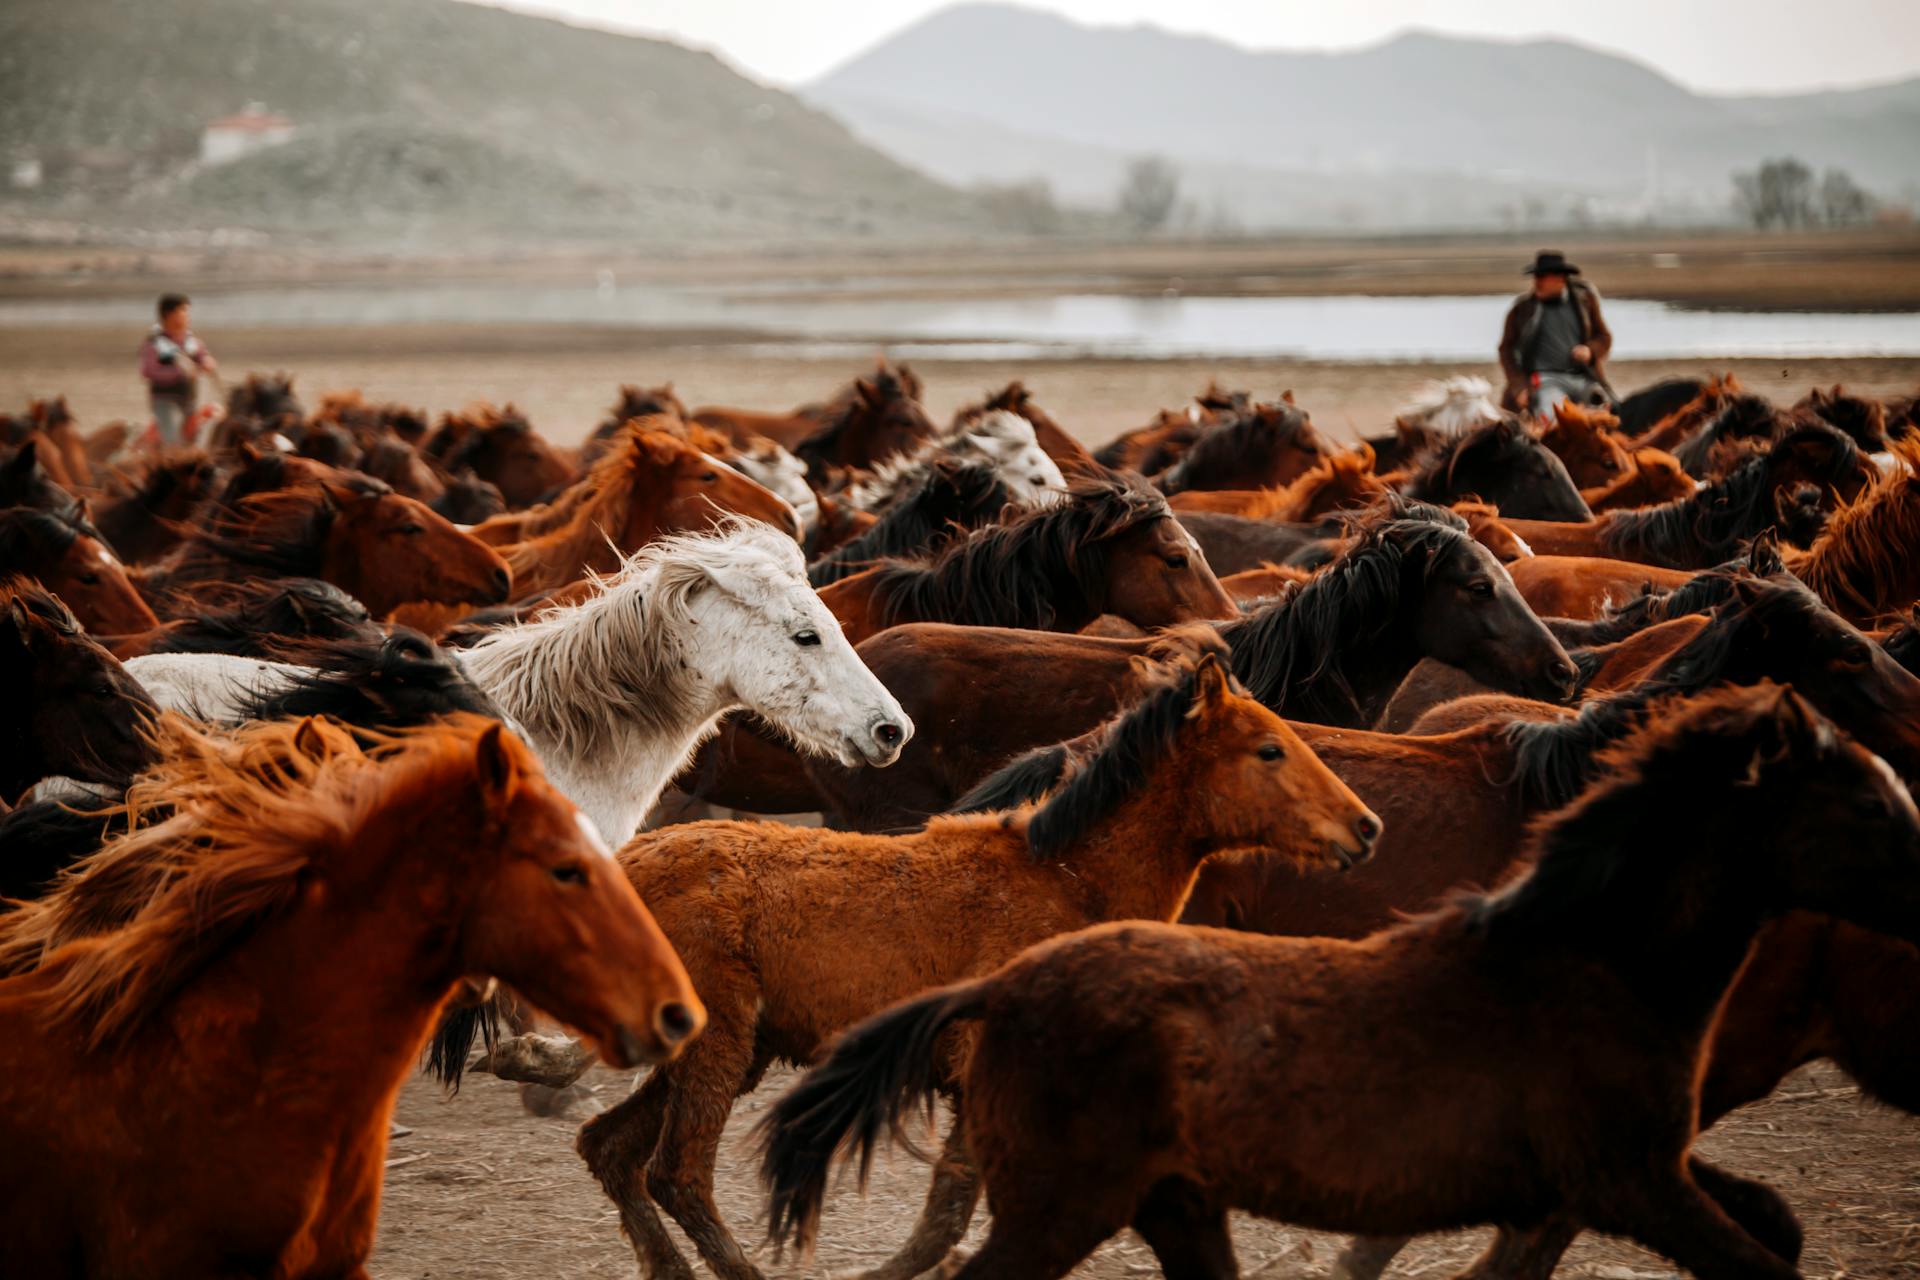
(1714, 45)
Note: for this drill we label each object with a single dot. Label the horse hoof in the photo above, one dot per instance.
(571, 1103)
(553, 1061)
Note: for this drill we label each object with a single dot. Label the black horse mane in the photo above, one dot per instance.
(28, 534)
(1290, 653)
(1660, 766)
(261, 619)
(1025, 573)
(951, 497)
(24, 482)
(1503, 438)
(1745, 417)
(389, 682)
(42, 838)
(889, 386)
(1120, 764)
(1698, 594)
(1251, 430)
(1710, 525)
(1555, 759)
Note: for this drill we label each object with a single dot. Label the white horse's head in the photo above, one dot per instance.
(773, 467)
(1006, 441)
(759, 636)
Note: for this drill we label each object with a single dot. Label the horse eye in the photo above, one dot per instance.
(807, 639)
(1481, 589)
(1176, 562)
(411, 529)
(709, 475)
(570, 873)
(1856, 655)
(1270, 751)
(90, 579)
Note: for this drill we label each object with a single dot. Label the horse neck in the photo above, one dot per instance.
(1139, 862)
(1347, 681)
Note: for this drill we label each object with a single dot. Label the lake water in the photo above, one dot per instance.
(1356, 328)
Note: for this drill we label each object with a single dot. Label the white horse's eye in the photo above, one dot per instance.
(806, 638)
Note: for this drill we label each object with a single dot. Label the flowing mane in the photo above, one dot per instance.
(381, 682)
(255, 811)
(1742, 417)
(1553, 760)
(555, 674)
(1698, 594)
(1709, 526)
(1003, 434)
(597, 507)
(1861, 564)
(1290, 653)
(948, 498)
(1024, 573)
(258, 619)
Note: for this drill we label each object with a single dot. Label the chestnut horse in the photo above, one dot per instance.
(649, 484)
(792, 934)
(381, 548)
(309, 903)
(76, 712)
(1112, 547)
(1592, 984)
(76, 566)
(1653, 478)
(1338, 482)
(1584, 441)
(1266, 445)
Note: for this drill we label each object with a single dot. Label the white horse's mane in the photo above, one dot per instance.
(1452, 405)
(560, 674)
(1008, 435)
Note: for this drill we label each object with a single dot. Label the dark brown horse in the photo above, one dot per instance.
(880, 419)
(70, 561)
(1501, 463)
(148, 522)
(1591, 985)
(1268, 444)
(792, 934)
(502, 448)
(73, 710)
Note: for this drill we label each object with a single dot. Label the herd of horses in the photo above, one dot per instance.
(1437, 831)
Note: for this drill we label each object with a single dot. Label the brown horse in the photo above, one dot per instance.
(77, 567)
(1073, 458)
(792, 934)
(878, 418)
(383, 549)
(1584, 441)
(1863, 564)
(147, 522)
(1584, 586)
(1707, 528)
(501, 447)
(1153, 448)
(1111, 547)
(309, 903)
(1266, 445)
(400, 467)
(1680, 423)
(74, 710)
(1653, 478)
(649, 484)
(26, 482)
(1502, 463)
(1338, 482)
(1253, 1073)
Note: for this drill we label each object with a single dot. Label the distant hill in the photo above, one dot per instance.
(428, 115)
(1532, 119)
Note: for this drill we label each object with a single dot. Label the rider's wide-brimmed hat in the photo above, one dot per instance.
(1550, 262)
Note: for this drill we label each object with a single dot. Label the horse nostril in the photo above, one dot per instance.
(888, 733)
(675, 1022)
(1367, 827)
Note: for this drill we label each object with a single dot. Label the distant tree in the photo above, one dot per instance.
(1777, 194)
(1843, 203)
(1023, 206)
(1149, 193)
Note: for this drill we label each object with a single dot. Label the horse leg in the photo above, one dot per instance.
(717, 1068)
(1524, 1253)
(1365, 1257)
(1674, 1217)
(1757, 1207)
(1188, 1235)
(1040, 1239)
(617, 1144)
(944, 1217)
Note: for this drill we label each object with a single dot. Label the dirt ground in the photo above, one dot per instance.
(482, 1189)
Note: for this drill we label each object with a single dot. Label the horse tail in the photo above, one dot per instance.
(452, 1041)
(874, 1074)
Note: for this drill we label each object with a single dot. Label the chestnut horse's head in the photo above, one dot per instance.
(387, 550)
(77, 567)
(688, 489)
(83, 715)
(1242, 780)
(549, 912)
(503, 448)
(1584, 441)
(1154, 574)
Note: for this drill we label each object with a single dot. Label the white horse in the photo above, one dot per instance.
(1453, 405)
(1000, 440)
(772, 467)
(615, 693)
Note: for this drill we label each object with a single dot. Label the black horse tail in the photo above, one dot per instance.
(452, 1041)
(876, 1072)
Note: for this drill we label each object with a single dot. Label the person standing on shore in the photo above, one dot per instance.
(171, 360)
(1555, 343)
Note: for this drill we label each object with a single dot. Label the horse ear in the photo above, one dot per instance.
(1211, 684)
(494, 762)
(868, 393)
(1801, 727)
(1286, 397)
(25, 459)
(22, 623)
(309, 740)
(1367, 458)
